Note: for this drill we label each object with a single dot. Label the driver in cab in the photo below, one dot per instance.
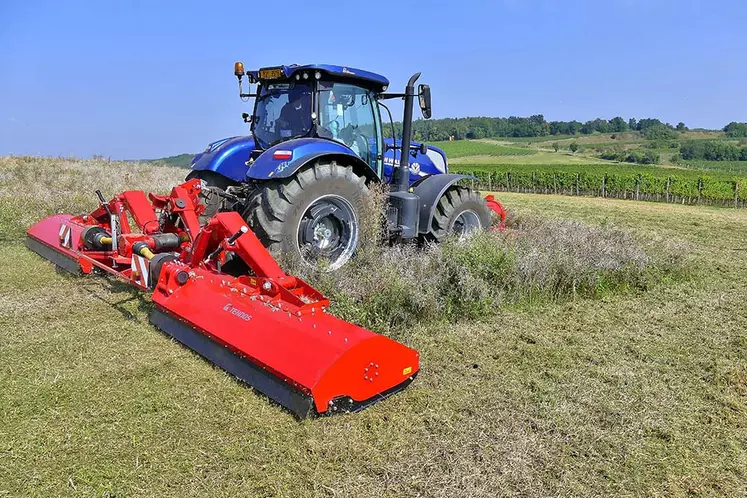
(295, 116)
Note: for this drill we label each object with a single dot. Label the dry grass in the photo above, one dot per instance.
(629, 394)
(34, 187)
(535, 261)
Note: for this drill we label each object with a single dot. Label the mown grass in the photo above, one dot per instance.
(537, 261)
(627, 393)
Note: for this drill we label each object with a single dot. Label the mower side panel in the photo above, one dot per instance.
(227, 157)
(430, 189)
(55, 238)
(304, 150)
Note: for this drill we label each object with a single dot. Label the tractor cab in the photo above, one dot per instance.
(319, 101)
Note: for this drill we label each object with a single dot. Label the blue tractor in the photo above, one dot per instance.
(301, 179)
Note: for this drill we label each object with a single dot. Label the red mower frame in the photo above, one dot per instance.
(269, 329)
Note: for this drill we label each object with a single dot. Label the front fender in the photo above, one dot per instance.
(226, 157)
(303, 150)
(430, 189)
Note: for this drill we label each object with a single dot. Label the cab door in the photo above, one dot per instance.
(349, 114)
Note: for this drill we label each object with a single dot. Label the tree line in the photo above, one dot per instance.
(712, 150)
(434, 130)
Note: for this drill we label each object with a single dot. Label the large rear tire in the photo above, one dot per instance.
(314, 215)
(460, 211)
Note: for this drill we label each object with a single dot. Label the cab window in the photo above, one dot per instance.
(347, 115)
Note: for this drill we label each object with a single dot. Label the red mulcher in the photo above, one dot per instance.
(219, 292)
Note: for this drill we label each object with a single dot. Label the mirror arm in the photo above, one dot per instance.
(387, 96)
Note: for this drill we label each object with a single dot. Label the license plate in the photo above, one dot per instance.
(271, 74)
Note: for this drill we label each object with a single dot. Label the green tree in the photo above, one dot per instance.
(573, 147)
(736, 130)
(681, 126)
(659, 132)
(556, 146)
(618, 124)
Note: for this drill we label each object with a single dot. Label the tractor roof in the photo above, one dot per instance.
(364, 78)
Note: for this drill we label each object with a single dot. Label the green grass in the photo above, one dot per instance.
(535, 140)
(461, 148)
(728, 167)
(598, 167)
(542, 157)
(632, 394)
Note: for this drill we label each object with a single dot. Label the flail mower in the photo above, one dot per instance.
(267, 328)
(297, 185)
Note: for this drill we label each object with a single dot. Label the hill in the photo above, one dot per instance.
(180, 161)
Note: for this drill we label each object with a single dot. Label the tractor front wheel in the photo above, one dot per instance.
(461, 211)
(315, 214)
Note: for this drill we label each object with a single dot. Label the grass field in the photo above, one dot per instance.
(598, 138)
(731, 167)
(541, 157)
(462, 148)
(640, 393)
(492, 151)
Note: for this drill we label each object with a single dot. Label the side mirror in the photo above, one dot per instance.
(424, 98)
(423, 149)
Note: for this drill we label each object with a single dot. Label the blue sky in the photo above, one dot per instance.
(141, 79)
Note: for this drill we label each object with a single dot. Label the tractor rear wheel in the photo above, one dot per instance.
(315, 214)
(461, 211)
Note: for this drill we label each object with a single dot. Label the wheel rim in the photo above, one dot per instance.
(328, 230)
(467, 223)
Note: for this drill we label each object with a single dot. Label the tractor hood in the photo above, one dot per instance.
(227, 157)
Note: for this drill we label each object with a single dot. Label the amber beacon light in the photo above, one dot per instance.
(238, 69)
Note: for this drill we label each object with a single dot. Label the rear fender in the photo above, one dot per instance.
(429, 190)
(304, 151)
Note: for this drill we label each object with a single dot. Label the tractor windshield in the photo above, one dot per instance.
(282, 112)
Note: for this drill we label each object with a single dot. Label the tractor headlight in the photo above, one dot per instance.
(305, 76)
(318, 75)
